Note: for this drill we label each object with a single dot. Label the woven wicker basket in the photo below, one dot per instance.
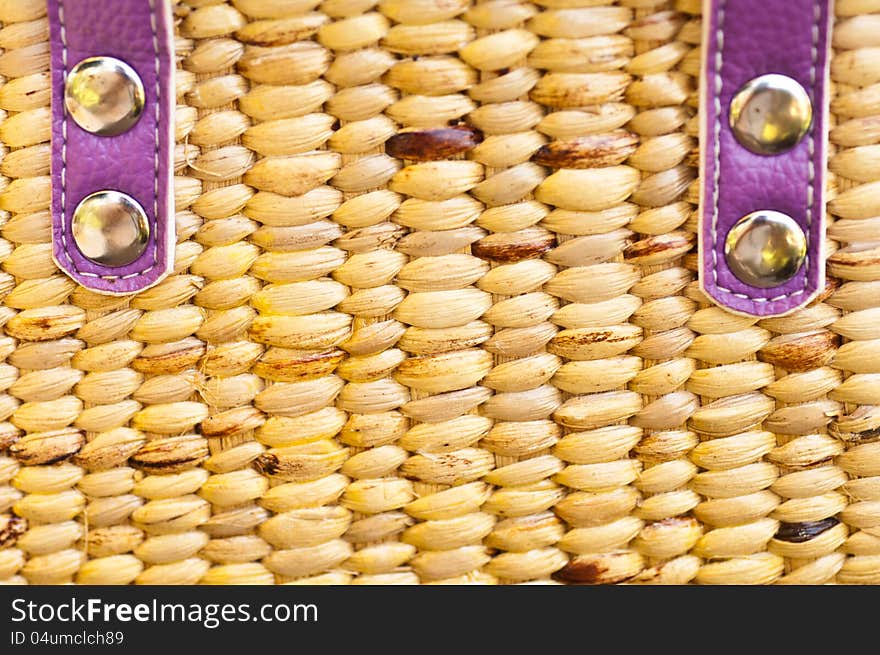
(387, 361)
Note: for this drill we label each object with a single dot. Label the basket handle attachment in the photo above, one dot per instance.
(763, 149)
(112, 69)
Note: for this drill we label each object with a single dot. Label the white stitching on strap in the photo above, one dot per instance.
(811, 147)
(153, 238)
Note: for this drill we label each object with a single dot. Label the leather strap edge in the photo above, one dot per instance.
(76, 157)
(710, 247)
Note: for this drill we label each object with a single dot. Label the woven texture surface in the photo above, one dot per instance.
(435, 317)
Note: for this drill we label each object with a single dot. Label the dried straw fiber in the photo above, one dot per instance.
(435, 319)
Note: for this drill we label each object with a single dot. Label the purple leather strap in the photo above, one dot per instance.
(137, 162)
(743, 39)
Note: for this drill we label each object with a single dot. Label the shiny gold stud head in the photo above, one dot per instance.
(770, 114)
(104, 95)
(765, 249)
(110, 228)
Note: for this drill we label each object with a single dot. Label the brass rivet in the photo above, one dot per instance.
(765, 248)
(104, 95)
(770, 114)
(110, 228)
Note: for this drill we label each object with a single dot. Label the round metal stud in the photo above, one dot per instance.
(770, 114)
(104, 95)
(110, 228)
(765, 248)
